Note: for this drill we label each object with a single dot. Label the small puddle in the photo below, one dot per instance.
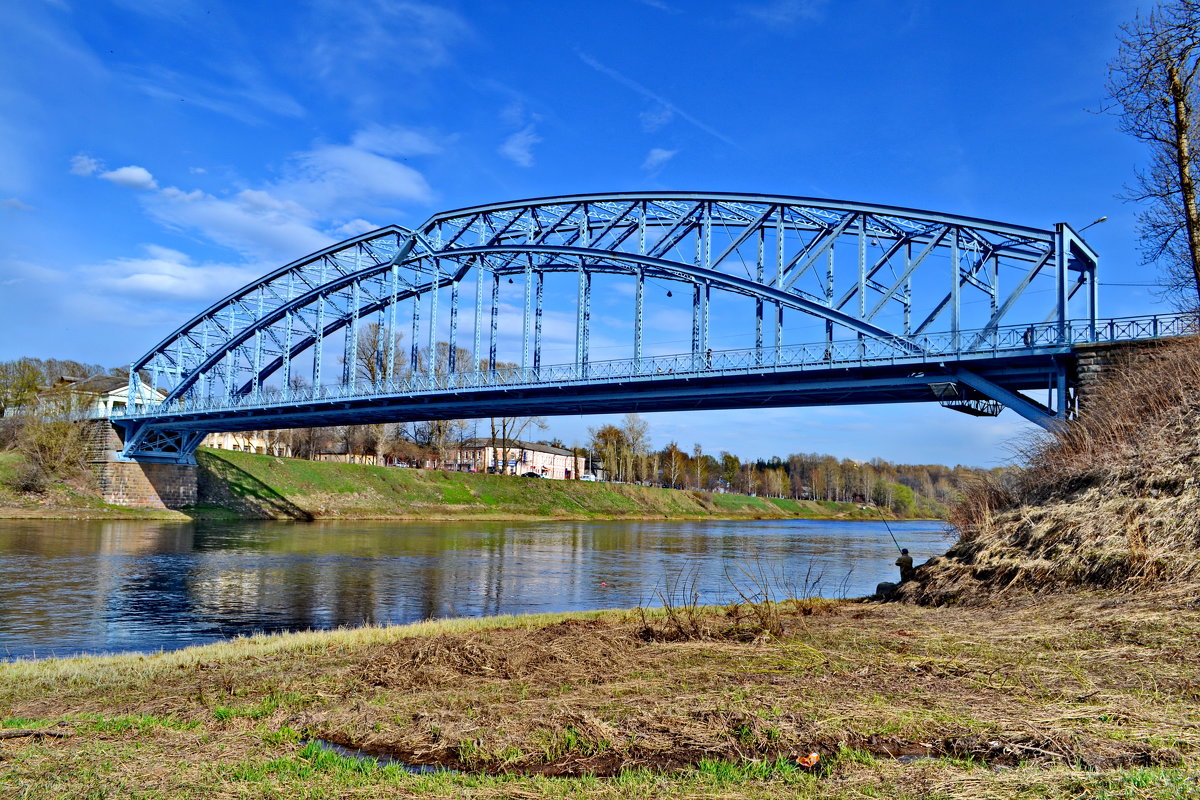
(382, 760)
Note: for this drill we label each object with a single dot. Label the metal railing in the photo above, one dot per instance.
(860, 352)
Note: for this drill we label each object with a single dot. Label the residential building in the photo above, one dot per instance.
(517, 458)
(97, 397)
(248, 442)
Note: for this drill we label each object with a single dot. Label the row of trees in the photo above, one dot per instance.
(624, 452)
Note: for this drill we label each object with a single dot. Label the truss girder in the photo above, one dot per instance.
(863, 269)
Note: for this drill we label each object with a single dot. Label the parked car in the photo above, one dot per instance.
(530, 475)
(588, 477)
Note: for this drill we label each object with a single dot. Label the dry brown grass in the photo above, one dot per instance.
(1110, 500)
(1081, 685)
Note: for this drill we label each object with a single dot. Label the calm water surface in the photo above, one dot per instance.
(72, 587)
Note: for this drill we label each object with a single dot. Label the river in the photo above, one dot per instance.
(69, 587)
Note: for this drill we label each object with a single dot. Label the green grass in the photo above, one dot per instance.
(286, 487)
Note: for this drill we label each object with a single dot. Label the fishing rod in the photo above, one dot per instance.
(889, 527)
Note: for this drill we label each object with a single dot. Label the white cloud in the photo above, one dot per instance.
(785, 12)
(306, 208)
(356, 226)
(656, 118)
(518, 148)
(336, 177)
(170, 274)
(394, 141)
(661, 6)
(382, 36)
(85, 165)
(253, 222)
(131, 177)
(657, 158)
(13, 204)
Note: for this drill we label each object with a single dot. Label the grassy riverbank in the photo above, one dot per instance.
(259, 485)
(234, 484)
(1078, 696)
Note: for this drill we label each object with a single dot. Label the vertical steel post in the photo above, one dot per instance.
(582, 312)
(1060, 279)
(758, 301)
(255, 384)
(350, 374)
(452, 356)
(204, 392)
(414, 363)
(1093, 299)
(230, 359)
(862, 267)
(527, 313)
(695, 324)
(780, 235)
(257, 366)
(377, 357)
(642, 228)
(475, 354)
(704, 348)
(318, 344)
(287, 342)
(639, 309)
(537, 323)
(433, 308)
(391, 331)
(862, 279)
(495, 322)
(829, 302)
(955, 276)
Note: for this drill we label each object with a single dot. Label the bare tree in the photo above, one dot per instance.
(378, 355)
(675, 464)
(1153, 83)
(637, 444)
(607, 444)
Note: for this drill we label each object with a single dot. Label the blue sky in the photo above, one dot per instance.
(154, 156)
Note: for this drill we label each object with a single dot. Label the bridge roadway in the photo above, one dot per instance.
(984, 378)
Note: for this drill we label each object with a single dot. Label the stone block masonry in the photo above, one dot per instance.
(1094, 361)
(133, 484)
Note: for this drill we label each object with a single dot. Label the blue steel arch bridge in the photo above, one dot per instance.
(636, 302)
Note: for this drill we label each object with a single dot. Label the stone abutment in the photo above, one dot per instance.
(133, 484)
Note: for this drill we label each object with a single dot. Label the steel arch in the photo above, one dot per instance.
(597, 261)
(909, 270)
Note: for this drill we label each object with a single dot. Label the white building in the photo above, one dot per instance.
(97, 397)
(518, 458)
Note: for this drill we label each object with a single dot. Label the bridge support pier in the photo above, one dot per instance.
(137, 484)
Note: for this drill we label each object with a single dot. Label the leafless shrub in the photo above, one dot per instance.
(10, 432)
(54, 447)
(29, 478)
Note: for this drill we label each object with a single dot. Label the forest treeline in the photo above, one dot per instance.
(907, 489)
